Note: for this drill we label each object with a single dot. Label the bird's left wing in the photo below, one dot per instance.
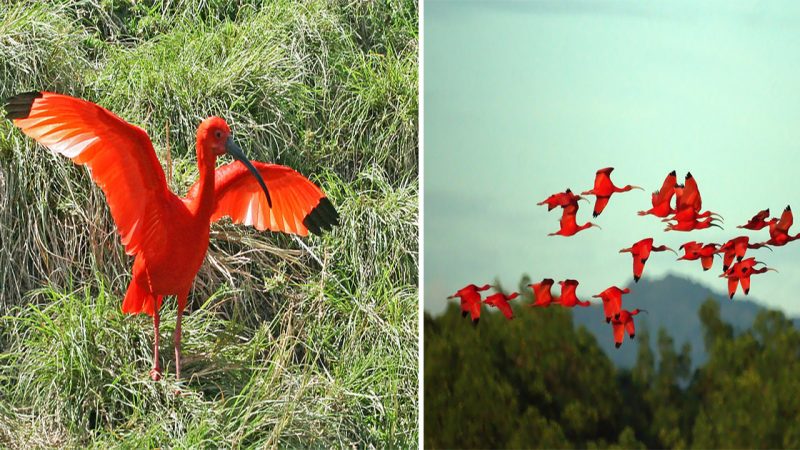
(298, 205)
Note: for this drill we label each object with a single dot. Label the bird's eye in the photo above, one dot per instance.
(218, 134)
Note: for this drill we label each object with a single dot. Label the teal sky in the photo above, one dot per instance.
(524, 99)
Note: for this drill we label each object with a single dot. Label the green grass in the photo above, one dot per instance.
(279, 350)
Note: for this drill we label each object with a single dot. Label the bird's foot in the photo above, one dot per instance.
(155, 373)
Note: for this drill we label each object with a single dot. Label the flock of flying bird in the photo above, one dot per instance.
(686, 215)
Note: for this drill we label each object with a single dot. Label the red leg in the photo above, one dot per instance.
(182, 299)
(155, 373)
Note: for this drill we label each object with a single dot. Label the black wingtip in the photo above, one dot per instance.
(673, 174)
(635, 279)
(19, 106)
(475, 322)
(632, 336)
(688, 175)
(464, 313)
(322, 217)
(617, 344)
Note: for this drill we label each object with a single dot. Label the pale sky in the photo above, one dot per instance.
(525, 99)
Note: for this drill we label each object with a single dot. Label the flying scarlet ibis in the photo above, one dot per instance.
(568, 297)
(562, 199)
(622, 322)
(612, 301)
(691, 225)
(471, 301)
(758, 221)
(736, 248)
(779, 229)
(569, 225)
(500, 301)
(168, 235)
(604, 188)
(741, 273)
(640, 252)
(541, 293)
(695, 250)
(688, 204)
(662, 198)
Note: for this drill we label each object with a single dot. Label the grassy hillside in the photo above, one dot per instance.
(279, 349)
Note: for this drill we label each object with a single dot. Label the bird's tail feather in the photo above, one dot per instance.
(140, 300)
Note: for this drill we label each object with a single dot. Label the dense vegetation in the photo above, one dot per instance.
(279, 348)
(538, 381)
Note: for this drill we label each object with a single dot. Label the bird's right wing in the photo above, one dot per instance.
(119, 156)
(786, 221)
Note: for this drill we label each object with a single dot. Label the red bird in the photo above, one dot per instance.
(624, 322)
(568, 296)
(757, 222)
(612, 301)
(736, 247)
(471, 301)
(562, 199)
(167, 234)
(661, 198)
(640, 252)
(604, 188)
(779, 229)
(691, 225)
(569, 226)
(741, 272)
(541, 293)
(500, 301)
(705, 253)
(688, 204)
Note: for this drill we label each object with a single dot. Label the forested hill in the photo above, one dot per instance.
(541, 381)
(672, 302)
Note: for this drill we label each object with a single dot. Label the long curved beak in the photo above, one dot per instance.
(715, 225)
(637, 187)
(673, 251)
(580, 197)
(236, 152)
(596, 225)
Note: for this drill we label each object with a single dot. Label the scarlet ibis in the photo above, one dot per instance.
(604, 188)
(640, 251)
(569, 226)
(168, 235)
(758, 221)
(694, 251)
(569, 298)
(500, 301)
(622, 322)
(471, 301)
(562, 199)
(541, 293)
(779, 229)
(741, 272)
(691, 225)
(612, 301)
(737, 247)
(661, 198)
(688, 204)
